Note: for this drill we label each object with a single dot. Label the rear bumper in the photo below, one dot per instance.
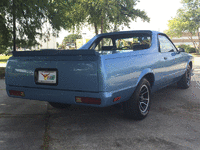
(67, 97)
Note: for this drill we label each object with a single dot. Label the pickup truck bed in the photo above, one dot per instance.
(80, 73)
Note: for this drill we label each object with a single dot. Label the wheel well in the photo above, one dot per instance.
(150, 78)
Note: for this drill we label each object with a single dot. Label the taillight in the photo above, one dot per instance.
(88, 100)
(16, 93)
(116, 99)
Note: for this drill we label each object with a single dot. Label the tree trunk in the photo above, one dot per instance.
(14, 27)
(192, 41)
(101, 24)
(96, 31)
(96, 28)
(102, 44)
(115, 27)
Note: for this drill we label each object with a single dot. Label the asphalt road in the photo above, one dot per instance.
(172, 124)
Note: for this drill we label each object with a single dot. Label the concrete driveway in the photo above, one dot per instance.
(173, 123)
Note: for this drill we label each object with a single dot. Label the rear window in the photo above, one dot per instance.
(122, 43)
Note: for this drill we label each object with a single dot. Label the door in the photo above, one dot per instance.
(169, 65)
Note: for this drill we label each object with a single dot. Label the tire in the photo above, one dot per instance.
(59, 105)
(185, 81)
(137, 107)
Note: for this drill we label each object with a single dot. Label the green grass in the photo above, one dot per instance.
(3, 59)
(195, 54)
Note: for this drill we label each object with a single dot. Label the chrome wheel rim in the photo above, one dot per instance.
(188, 78)
(144, 98)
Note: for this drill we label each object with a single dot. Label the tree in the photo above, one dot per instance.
(26, 19)
(70, 39)
(187, 20)
(29, 18)
(57, 45)
(5, 36)
(105, 15)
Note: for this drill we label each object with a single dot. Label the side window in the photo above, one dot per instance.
(133, 43)
(107, 42)
(104, 44)
(121, 42)
(165, 44)
(124, 44)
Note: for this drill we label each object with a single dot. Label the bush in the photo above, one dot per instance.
(184, 46)
(188, 48)
(8, 52)
(2, 72)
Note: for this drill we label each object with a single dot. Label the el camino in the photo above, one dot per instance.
(119, 67)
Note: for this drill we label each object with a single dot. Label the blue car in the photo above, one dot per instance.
(119, 67)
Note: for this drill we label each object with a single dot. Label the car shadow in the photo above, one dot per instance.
(164, 99)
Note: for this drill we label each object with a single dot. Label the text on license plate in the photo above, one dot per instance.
(47, 76)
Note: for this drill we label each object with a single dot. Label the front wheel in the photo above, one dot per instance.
(185, 81)
(137, 107)
(59, 105)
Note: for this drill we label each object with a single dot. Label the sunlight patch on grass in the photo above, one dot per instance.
(3, 59)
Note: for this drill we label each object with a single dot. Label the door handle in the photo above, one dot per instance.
(165, 58)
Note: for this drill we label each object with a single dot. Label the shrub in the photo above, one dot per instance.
(2, 72)
(8, 52)
(184, 46)
(188, 48)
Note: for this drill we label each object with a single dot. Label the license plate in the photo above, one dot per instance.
(47, 76)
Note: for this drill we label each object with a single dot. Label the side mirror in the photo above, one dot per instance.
(181, 49)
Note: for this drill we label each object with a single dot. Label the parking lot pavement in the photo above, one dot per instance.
(22, 122)
(173, 123)
(21, 132)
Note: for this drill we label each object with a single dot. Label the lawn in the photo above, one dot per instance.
(3, 59)
(196, 54)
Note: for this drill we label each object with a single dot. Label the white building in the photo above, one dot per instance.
(47, 42)
(186, 39)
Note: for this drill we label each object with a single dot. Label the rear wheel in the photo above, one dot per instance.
(137, 107)
(59, 105)
(185, 81)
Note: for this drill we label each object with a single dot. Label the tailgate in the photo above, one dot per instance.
(73, 69)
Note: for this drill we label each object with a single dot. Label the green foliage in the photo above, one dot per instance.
(191, 50)
(106, 15)
(31, 17)
(188, 48)
(2, 72)
(71, 38)
(5, 35)
(184, 46)
(8, 52)
(187, 20)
